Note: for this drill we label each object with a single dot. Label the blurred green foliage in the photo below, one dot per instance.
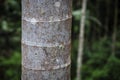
(98, 61)
(11, 67)
(10, 32)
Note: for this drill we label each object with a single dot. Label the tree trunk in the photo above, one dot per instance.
(107, 17)
(46, 39)
(81, 39)
(115, 27)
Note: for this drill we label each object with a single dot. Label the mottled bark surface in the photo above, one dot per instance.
(46, 39)
(57, 74)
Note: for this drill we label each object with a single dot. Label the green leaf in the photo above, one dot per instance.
(77, 14)
(4, 25)
(94, 19)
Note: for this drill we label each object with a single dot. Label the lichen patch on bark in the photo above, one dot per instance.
(57, 4)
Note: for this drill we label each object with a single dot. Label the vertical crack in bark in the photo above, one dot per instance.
(46, 53)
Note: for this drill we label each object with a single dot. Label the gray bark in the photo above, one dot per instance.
(81, 39)
(46, 39)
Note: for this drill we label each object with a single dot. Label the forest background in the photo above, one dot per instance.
(101, 55)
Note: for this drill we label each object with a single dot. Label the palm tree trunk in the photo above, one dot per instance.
(46, 39)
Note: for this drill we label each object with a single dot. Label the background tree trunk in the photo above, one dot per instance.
(107, 17)
(81, 39)
(114, 27)
(46, 39)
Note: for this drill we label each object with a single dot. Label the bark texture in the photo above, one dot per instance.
(81, 39)
(46, 39)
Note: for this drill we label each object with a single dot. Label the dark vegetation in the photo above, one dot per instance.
(101, 59)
